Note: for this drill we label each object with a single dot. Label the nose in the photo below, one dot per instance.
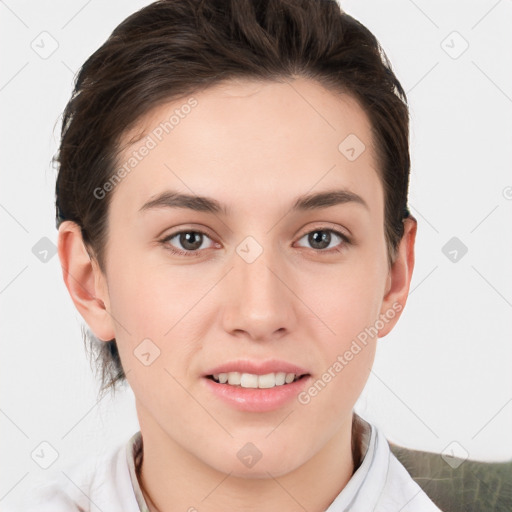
(259, 304)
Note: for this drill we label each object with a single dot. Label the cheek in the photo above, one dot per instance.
(152, 297)
(348, 307)
(159, 303)
(348, 299)
(348, 304)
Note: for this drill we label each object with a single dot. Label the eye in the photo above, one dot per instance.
(190, 241)
(322, 239)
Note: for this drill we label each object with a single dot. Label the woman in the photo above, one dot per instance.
(233, 228)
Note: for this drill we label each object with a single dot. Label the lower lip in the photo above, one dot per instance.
(256, 399)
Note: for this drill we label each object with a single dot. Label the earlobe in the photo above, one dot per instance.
(399, 278)
(84, 280)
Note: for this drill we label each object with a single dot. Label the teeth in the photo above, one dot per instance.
(234, 378)
(267, 381)
(281, 378)
(250, 380)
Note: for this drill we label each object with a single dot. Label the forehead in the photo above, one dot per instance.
(247, 143)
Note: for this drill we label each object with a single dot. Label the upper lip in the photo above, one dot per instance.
(256, 367)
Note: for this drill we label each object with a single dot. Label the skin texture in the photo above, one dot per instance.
(256, 147)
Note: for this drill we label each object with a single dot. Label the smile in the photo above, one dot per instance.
(251, 380)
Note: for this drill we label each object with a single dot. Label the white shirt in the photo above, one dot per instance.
(109, 484)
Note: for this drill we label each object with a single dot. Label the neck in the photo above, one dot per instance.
(173, 479)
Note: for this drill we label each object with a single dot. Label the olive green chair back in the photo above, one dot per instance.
(458, 485)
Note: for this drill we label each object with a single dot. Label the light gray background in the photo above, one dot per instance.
(442, 378)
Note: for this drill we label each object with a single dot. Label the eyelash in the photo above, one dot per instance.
(179, 252)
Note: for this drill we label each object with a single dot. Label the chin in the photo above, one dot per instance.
(275, 464)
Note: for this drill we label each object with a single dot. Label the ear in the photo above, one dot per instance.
(399, 279)
(85, 282)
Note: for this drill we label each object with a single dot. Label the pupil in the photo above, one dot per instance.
(323, 240)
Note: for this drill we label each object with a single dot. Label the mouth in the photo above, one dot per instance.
(256, 385)
(256, 381)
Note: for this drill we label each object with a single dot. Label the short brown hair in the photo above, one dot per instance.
(173, 48)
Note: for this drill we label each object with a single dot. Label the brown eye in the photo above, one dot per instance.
(188, 242)
(322, 239)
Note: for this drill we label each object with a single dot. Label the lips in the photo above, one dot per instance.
(248, 374)
(256, 386)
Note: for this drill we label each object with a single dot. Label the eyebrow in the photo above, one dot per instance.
(316, 201)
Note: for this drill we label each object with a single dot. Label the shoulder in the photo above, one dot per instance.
(101, 483)
(400, 491)
(380, 483)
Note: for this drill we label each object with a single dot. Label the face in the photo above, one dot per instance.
(264, 280)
